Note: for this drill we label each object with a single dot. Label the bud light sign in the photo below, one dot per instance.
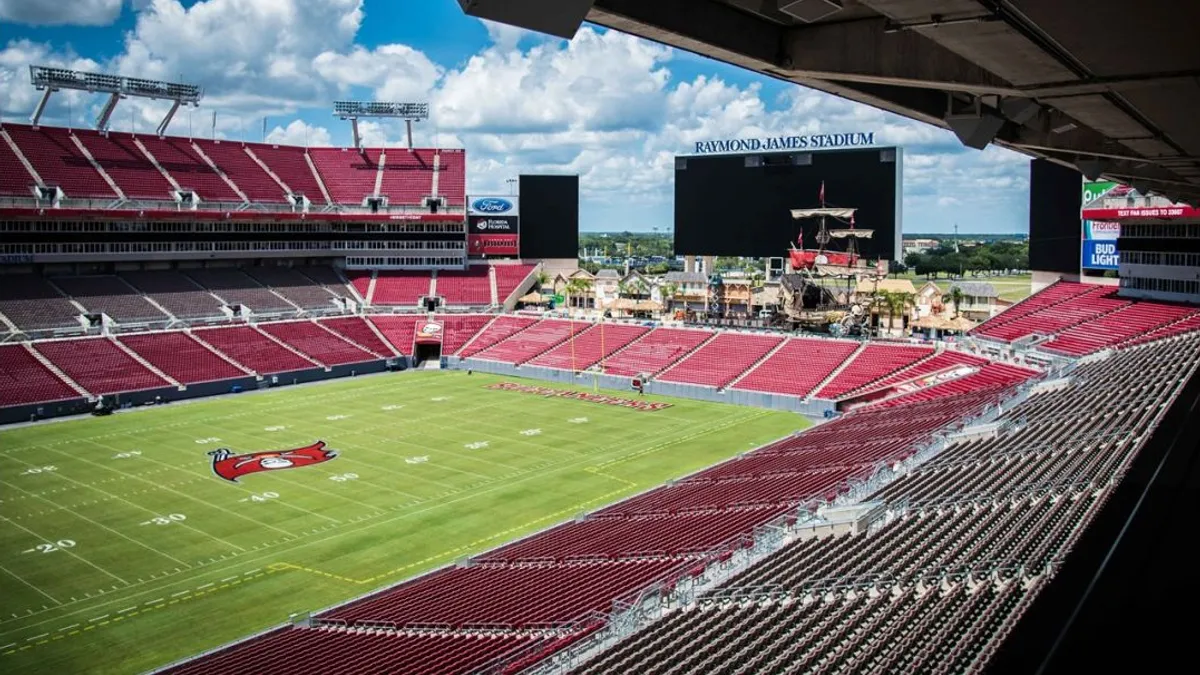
(493, 206)
(1100, 245)
(1100, 254)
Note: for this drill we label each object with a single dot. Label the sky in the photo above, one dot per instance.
(609, 107)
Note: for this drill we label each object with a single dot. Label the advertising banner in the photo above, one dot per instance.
(1099, 254)
(493, 244)
(1101, 229)
(494, 205)
(493, 224)
(428, 333)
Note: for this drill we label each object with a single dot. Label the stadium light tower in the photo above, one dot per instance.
(49, 80)
(409, 112)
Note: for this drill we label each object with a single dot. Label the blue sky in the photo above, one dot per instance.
(611, 108)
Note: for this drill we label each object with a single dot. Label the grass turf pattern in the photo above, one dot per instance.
(120, 550)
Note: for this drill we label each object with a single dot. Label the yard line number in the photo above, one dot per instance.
(51, 546)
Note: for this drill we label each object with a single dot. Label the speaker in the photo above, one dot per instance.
(561, 18)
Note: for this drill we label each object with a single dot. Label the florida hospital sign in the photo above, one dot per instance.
(810, 141)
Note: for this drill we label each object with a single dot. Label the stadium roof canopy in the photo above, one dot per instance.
(1103, 85)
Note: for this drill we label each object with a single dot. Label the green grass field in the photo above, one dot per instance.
(1014, 288)
(120, 550)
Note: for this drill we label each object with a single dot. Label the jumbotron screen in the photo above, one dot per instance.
(740, 205)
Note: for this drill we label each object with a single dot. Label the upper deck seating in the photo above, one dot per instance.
(470, 287)
(348, 173)
(235, 287)
(32, 303)
(293, 285)
(175, 292)
(59, 161)
(177, 157)
(128, 166)
(110, 295)
(251, 179)
(289, 164)
(407, 176)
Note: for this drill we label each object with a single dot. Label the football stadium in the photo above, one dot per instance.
(270, 408)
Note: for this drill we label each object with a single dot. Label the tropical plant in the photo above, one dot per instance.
(955, 296)
(541, 279)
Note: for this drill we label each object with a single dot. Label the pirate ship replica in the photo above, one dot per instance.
(813, 295)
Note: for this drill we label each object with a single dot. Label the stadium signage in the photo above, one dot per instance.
(581, 396)
(1100, 255)
(493, 206)
(811, 141)
(229, 466)
(484, 224)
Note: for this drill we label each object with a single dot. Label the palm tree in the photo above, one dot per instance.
(579, 287)
(955, 297)
(541, 279)
(668, 289)
(897, 304)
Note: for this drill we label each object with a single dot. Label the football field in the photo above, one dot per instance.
(122, 549)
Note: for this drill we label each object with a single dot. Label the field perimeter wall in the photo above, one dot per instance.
(812, 408)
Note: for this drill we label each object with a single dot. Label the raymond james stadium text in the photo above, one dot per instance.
(786, 142)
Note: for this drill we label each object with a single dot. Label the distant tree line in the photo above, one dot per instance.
(989, 258)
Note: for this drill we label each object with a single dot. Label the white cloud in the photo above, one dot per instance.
(299, 132)
(506, 37)
(394, 72)
(17, 95)
(66, 12)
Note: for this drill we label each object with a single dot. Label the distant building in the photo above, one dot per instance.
(979, 303)
(919, 245)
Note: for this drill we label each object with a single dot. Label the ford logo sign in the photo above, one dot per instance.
(491, 205)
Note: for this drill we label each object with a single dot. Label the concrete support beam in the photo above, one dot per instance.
(703, 27)
(865, 51)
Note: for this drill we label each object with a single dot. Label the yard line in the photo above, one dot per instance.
(230, 512)
(176, 595)
(102, 525)
(104, 616)
(13, 644)
(67, 551)
(18, 578)
(31, 639)
(598, 456)
(245, 490)
(127, 609)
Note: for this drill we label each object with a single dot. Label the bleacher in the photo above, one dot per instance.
(235, 287)
(175, 292)
(655, 352)
(978, 526)
(126, 165)
(317, 343)
(722, 360)
(1057, 292)
(32, 303)
(251, 179)
(99, 366)
(457, 329)
(590, 344)
(294, 286)
(179, 356)
(348, 174)
(14, 178)
(318, 651)
(1112, 329)
(395, 287)
(509, 278)
(470, 287)
(110, 295)
(501, 329)
(874, 362)
(533, 341)
(513, 595)
(399, 331)
(253, 350)
(289, 163)
(357, 330)
(190, 171)
(407, 176)
(59, 161)
(797, 367)
(452, 177)
(24, 379)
